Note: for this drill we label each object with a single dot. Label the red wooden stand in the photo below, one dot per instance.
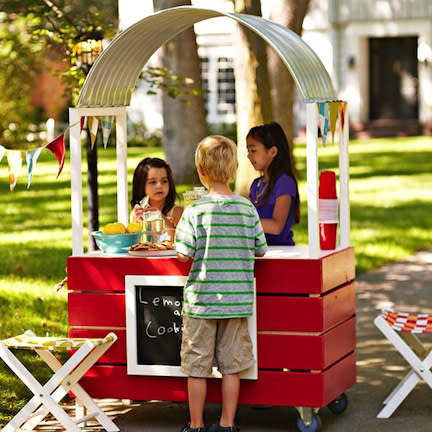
(305, 321)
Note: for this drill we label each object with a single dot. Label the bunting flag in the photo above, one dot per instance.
(31, 158)
(57, 147)
(93, 124)
(107, 124)
(334, 111)
(324, 116)
(2, 152)
(14, 158)
(342, 110)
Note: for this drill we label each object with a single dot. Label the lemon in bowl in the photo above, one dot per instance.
(115, 238)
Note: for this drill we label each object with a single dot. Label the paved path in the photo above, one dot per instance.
(405, 285)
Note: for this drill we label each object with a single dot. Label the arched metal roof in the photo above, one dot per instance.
(113, 77)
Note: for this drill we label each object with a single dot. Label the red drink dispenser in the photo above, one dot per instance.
(328, 210)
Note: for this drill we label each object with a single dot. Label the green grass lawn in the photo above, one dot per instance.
(391, 201)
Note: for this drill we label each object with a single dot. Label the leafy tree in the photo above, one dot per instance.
(61, 25)
(17, 60)
(290, 14)
(31, 32)
(252, 88)
(264, 87)
(184, 123)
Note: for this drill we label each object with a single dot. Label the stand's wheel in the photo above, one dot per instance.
(314, 426)
(339, 405)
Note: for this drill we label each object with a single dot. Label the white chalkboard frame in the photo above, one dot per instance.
(133, 367)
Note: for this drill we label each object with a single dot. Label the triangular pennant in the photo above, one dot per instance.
(323, 110)
(342, 108)
(57, 147)
(14, 158)
(107, 124)
(31, 158)
(2, 152)
(334, 110)
(92, 124)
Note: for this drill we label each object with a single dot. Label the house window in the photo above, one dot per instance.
(225, 86)
(219, 88)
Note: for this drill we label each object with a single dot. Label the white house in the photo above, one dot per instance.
(378, 52)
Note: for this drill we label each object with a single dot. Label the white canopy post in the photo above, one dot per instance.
(76, 170)
(122, 181)
(76, 181)
(344, 205)
(312, 178)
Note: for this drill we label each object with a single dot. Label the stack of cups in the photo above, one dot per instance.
(328, 210)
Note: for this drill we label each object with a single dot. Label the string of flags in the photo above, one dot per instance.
(329, 113)
(57, 147)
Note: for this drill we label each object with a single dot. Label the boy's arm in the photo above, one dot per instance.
(182, 257)
(260, 239)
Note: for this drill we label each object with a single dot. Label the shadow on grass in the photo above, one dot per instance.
(39, 262)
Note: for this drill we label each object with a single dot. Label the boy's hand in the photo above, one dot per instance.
(182, 257)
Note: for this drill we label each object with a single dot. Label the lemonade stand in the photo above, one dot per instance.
(305, 319)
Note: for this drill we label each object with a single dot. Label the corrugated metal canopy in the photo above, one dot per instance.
(113, 77)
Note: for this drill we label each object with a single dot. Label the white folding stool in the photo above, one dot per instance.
(401, 329)
(65, 379)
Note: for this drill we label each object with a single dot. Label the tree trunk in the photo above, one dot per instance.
(253, 102)
(289, 13)
(92, 192)
(184, 123)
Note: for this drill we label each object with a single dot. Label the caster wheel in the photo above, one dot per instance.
(339, 405)
(315, 425)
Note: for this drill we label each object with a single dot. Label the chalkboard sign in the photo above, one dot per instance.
(159, 324)
(154, 326)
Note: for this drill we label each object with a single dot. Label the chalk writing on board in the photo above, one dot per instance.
(159, 324)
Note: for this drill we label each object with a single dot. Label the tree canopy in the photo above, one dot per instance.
(31, 33)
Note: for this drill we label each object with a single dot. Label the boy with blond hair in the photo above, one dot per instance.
(222, 234)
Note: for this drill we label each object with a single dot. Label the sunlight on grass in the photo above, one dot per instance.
(390, 197)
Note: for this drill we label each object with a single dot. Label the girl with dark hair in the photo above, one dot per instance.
(275, 192)
(153, 188)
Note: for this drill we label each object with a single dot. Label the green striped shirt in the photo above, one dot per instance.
(221, 234)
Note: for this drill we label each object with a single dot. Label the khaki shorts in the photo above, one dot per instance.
(224, 343)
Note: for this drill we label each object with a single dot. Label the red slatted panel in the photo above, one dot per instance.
(294, 276)
(306, 352)
(96, 309)
(108, 273)
(271, 388)
(305, 314)
(305, 276)
(338, 269)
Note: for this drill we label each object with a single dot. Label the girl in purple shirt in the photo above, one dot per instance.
(275, 192)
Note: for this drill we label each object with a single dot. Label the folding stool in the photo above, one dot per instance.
(65, 379)
(401, 329)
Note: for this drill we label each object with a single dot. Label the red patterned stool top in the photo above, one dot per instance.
(408, 322)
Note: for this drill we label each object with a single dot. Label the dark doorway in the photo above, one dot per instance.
(393, 77)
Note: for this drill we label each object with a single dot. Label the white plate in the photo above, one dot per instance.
(153, 253)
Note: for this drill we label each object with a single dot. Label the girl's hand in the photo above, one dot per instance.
(137, 213)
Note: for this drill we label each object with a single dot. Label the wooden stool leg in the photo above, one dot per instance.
(42, 396)
(394, 400)
(65, 379)
(407, 347)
